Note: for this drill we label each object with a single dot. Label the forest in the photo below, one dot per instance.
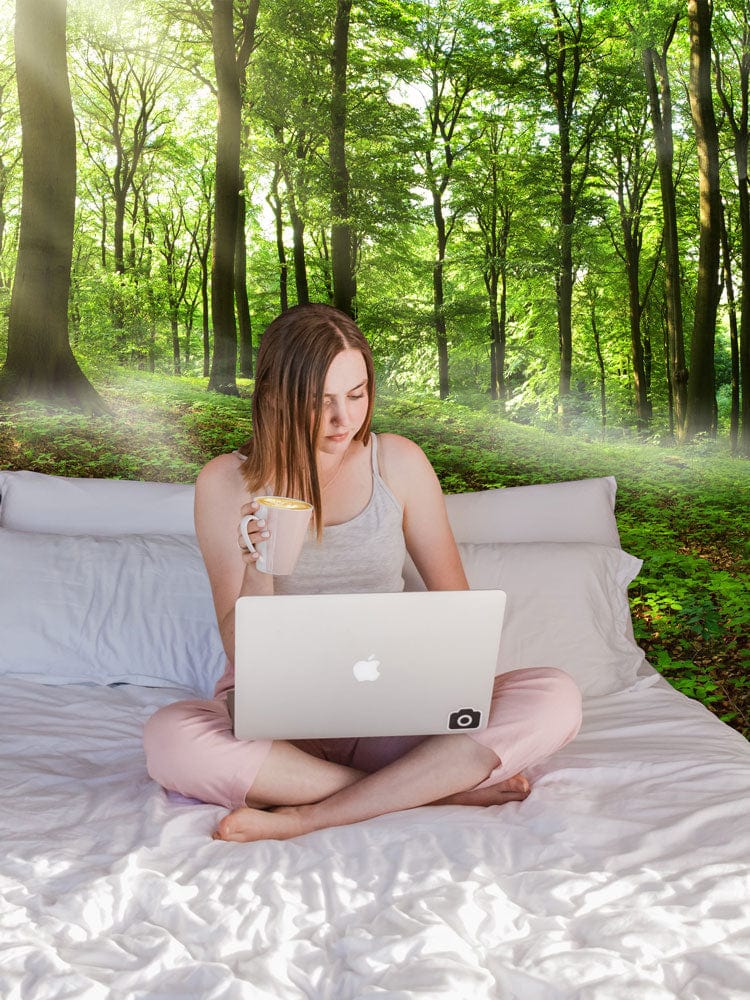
(540, 207)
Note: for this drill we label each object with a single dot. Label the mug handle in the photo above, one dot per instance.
(243, 529)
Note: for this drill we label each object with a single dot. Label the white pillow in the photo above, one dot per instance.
(577, 511)
(567, 607)
(132, 608)
(32, 501)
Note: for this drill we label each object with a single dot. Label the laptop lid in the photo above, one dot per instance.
(349, 665)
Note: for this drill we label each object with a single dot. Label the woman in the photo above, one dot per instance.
(373, 499)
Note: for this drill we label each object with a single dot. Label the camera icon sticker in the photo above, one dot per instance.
(465, 718)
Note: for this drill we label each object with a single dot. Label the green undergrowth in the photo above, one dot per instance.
(683, 511)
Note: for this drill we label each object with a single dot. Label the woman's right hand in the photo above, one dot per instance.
(220, 498)
(257, 531)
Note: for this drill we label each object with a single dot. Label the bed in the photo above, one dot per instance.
(625, 874)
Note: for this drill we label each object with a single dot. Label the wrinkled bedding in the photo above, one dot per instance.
(625, 874)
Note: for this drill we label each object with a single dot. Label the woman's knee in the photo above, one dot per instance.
(164, 737)
(564, 702)
(547, 697)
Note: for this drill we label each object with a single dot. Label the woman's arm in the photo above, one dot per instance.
(221, 500)
(429, 539)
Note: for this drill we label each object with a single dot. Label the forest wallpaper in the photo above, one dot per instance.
(538, 213)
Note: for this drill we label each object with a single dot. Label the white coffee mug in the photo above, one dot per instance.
(286, 520)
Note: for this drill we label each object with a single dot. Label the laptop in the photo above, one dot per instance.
(350, 665)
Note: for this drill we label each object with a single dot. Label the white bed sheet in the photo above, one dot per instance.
(625, 874)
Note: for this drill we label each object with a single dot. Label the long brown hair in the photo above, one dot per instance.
(296, 351)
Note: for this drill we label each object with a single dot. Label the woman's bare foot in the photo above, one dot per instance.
(515, 789)
(247, 824)
(282, 823)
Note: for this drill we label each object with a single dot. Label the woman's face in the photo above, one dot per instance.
(345, 401)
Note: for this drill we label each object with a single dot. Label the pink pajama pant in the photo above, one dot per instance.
(190, 747)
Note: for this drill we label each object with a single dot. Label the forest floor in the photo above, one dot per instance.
(684, 511)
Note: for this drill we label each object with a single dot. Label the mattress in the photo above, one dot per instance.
(625, 874)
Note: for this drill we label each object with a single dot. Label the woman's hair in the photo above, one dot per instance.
(295, 353)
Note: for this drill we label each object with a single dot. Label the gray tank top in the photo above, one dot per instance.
(363, 555)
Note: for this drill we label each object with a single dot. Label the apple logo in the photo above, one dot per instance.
(367, 670)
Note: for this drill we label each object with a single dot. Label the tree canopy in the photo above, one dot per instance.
(539, 206)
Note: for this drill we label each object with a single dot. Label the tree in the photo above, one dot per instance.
(341, 235)
(656, 72)
(291, 95)
(494, 218)
(274, 200)
(298, 154)
(229, 63)
(40, 362)
(241, 300)
(734, 338)
(734, 92)
(10, 154)
(202, 239)
(450, 62)
(634, 168)
(177, 250)
(120, 89)
(701, 399)
(491, 189)
(565, 52)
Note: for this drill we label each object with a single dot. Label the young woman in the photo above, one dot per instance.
(374, 498)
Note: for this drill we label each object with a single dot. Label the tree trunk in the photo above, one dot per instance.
(660, 103)
(631, 194)
(341, 236)
(275, 202)
(4, 180)
(563, 76)
(495, 224)
(324, 258)
(744, 336)
(240, 288)
(438, 300)
(635, 310)
(501, 336)
(120, 201)
(736, 103)
(600, 365)
(175, 330)
(449, 93)
(734, 417)
(40, 362)
(701, 400)
(247, 44)
(668, 369)
(565, 281)
(496, 283)
(224, 361)
(203, 254)
(103, 238)
(205, 325)
(169, 253)
(491, 283)
(300, 259)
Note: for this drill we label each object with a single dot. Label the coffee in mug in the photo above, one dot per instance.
(287, 520)
(286, 502)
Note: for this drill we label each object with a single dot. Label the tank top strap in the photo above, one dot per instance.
(374, 455)
(380, 488)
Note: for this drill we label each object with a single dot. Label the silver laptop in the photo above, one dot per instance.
(349, 665)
